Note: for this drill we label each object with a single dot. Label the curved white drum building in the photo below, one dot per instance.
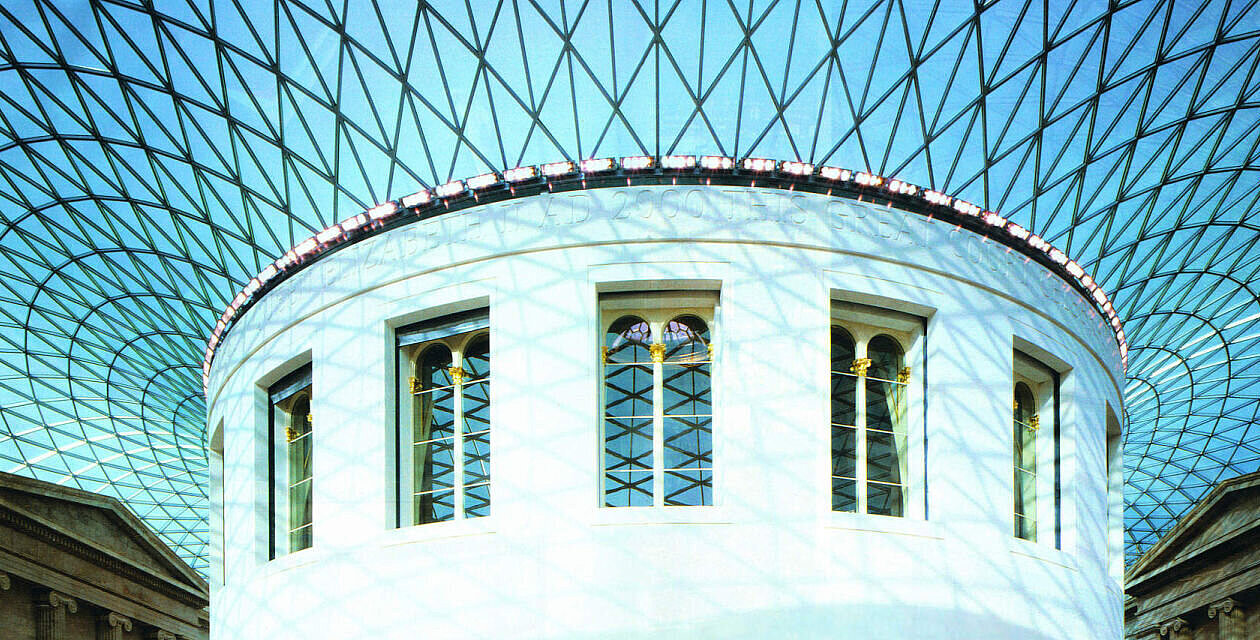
(673, 410)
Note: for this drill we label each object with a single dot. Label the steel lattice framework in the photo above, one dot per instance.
(154, 156)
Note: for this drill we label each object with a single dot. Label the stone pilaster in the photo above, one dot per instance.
(111, 626)
(50, 614)
(1231, 619)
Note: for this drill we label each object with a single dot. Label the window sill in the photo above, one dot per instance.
(843, 521)
(438, 531)
(291, 561)
(615, 516)
(1039, 551)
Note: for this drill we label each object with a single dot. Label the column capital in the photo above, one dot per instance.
(1225, 606)
(5, 582)
(54, 599)
(115, 620)
(1173, 628)
(158, 634)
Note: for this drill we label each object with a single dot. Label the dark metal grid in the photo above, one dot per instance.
(152, 160)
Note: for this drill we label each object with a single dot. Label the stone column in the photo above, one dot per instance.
(1176, 629)
(50, 614)
(1231, 619)
(111, 626)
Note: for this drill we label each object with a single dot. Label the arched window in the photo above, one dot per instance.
(300, 479)
(433, 437)
(1025, 462)
(629, 422)
(885, 428)
(289, 503)
(657, 428)
(844, 422)
(870, 448)
(444, 419)
(1035, 450)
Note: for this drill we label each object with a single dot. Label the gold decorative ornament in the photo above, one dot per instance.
(903, 376)
(457, 375)
(658, 351)
(290, 434)
(860, 366)
(415, 385)
(310, 419)
(1034, 423)
(603, 354)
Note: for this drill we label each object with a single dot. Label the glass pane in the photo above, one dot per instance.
(883, 404)
(477, 458)
(435, 468)
(628, 390)
(477, 501)
(844, 452)
(477, 358)
(300, 505)
(300, 539)
(843, 398)
(434, 415)
(627, 444)
(686, 389)
(883, 499)
(300, 459)
(476, 406)
(434, 369)
(627, 341)
(688, 443)
(883, 460)
(843, 494)
(1025, 528)
(688, 488)
(886, 358)
(686, 339)
(842, 349)
(435, 506)
(628, 488)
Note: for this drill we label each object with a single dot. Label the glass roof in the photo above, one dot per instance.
(155, 156)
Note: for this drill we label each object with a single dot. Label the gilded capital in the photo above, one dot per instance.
(860, 366)
(658, 351)
(414, 384)
(903, 376)
(457, 375)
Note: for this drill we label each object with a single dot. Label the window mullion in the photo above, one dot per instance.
(457, 453)
(658, 426)
(860, 457)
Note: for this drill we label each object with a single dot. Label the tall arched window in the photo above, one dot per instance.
(871, 468)
(444, 420)
(1025, 459)
(657, 406)
(291, 453)
(1035, 448)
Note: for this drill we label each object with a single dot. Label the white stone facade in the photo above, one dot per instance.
(769, 558)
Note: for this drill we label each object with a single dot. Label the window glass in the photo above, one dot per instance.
(444, 419)
(687, 412)
(843, 422)
(885, 427)
(291, 462)
(628, 414)
(657, 427)
(1025, 462)
(870, 417)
